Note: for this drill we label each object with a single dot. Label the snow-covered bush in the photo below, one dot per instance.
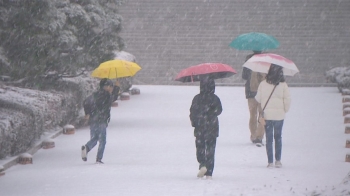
(124, 56)
(339, 75)
(26, 114)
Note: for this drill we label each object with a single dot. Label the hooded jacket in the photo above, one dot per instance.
(204, 111)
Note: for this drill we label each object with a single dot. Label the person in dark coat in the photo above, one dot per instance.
(204, 112)
(99, 118)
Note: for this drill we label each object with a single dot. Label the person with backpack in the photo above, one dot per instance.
(204, 112)
(97, 109)
(274, 99)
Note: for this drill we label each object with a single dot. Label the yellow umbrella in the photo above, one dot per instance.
(116, 69)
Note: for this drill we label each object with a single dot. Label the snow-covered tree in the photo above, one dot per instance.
(38, 37)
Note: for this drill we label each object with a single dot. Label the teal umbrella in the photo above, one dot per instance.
(254, 41)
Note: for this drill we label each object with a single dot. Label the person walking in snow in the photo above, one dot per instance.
(99, 117)
(274, 98)
(253, 80)
(204, 112)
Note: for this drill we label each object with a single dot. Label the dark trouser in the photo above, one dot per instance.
(273, 129)
(206, 153)
(97, 133)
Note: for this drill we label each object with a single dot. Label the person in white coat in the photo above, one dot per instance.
(275, 110)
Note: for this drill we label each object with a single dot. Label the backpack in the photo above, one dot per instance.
(89, 104)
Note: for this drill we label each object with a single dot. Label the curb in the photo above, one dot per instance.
(7, 163)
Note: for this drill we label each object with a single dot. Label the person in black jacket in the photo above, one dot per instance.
(99, 118)
(204, 112)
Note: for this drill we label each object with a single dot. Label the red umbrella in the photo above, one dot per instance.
(212, 70)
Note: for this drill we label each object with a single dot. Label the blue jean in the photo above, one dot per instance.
(97, 133)
(273, 130)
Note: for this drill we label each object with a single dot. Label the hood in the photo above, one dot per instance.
(207, 86)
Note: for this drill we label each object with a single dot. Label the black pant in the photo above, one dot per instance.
(206, 153)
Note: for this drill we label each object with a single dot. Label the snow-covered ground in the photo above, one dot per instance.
(150, 151)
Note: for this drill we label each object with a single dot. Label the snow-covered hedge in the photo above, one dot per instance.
(26, 113)
(339, 75)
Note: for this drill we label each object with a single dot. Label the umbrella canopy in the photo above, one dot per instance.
(262, 62)
(254, 41)
(211, 70)
(116, 69)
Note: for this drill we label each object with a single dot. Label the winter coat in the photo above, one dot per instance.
(204, 111)
(279, 102)
(102, 108)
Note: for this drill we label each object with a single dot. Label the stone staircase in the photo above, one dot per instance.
(169, 35)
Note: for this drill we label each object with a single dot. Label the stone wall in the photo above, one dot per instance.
(167, 36)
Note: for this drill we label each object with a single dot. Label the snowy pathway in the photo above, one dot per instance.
(150, 151)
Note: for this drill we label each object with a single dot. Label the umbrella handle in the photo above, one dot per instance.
(192, 77)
